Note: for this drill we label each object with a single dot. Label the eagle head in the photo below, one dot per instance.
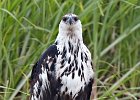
(70, 25)
(70, 19)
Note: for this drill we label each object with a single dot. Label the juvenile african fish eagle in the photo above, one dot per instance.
(64, 71)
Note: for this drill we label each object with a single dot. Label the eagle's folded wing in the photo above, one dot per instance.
(43, 75)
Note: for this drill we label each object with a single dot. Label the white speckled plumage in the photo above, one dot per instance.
(69, 67)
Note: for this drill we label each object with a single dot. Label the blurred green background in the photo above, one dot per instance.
(111, 30)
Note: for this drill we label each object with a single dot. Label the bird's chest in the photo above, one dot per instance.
(73, 70)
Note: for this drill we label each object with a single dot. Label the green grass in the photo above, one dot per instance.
(111, 30)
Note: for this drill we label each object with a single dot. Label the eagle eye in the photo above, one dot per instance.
(75, 18)
(64, 19)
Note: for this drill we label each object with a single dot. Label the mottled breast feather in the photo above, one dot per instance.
(46, 85)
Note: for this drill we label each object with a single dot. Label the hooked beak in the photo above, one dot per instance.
(70, 20)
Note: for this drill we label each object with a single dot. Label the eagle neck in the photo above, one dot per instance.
(68, 39)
